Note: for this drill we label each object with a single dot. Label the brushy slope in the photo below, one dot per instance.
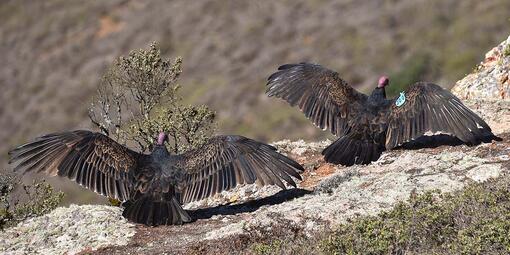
(54, 52)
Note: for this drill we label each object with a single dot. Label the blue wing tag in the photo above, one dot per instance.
(401, 99)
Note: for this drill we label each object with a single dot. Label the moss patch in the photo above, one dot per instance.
(267, 248)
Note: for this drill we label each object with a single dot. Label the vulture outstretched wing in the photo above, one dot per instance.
(327, 100)
(91, 159)
(225, 161)
(426, 107)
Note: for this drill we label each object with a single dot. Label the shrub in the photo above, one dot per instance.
(34, 200)
(139, 96)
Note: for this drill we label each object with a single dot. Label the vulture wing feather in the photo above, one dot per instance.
(226, 161)
(327, 100)
(429, 109)
(91, 159)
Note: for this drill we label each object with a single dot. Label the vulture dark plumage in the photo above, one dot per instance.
(367, 125)
(153, 186)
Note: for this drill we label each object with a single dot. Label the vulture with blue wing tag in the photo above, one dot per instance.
(368, 125)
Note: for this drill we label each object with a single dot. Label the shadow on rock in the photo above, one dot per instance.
(249, 206)
(443, 139)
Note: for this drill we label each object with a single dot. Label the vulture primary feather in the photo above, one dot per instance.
(367, 125)
(153, 186)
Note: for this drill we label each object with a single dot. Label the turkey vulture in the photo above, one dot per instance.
(367, 125)
(153, 186)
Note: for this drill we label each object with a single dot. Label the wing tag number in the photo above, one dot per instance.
(401, 99)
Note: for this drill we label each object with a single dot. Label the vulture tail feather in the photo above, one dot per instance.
(155, 210)
(347, 151)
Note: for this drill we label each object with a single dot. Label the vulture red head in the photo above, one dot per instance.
(383, 81)
(162, 138)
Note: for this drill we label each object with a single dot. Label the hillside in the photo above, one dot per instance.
(234, 222)
(55, 52)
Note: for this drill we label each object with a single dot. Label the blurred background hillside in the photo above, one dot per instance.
(54, 52)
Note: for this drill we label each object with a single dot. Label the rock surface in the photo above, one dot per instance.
(495, 112)
(328, 195)
(491, 79)
(68, 230)
(338, 194)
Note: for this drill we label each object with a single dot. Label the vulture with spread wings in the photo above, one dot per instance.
(367, 125)
(153, 186)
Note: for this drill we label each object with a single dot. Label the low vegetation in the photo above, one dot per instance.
(475, 220)
(20, 201)
(506, 51)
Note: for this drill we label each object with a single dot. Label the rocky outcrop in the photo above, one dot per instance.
(495, 112)
(487, 89)
(328, 195)
(491, 79)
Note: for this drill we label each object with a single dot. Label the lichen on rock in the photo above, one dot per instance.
(375, 187)
(68, 230)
